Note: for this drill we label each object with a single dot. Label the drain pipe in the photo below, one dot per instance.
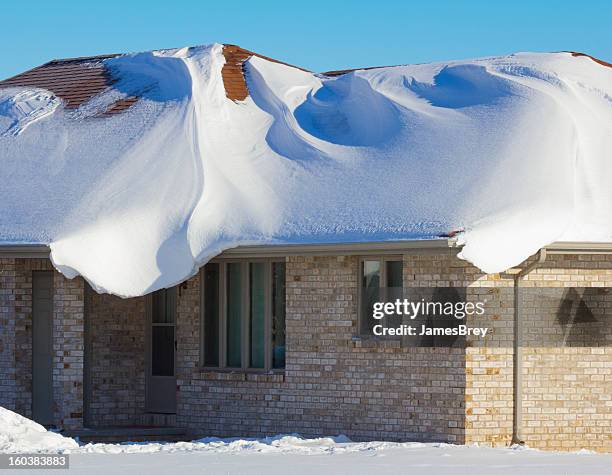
(517, 361)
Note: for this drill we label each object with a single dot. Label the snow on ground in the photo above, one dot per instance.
(288, 453)
(18, 434)
(428, 459)
(336, 455)
(516, 150)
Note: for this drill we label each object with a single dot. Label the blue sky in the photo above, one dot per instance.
(318, 35)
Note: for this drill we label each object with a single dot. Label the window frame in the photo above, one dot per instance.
(382, 259)
(152, 324)
(245, 338)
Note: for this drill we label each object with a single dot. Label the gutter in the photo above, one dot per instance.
(350, 248)
(275, 250)
(517, 354)
(343, 248)
(30, 251)
(579, 247)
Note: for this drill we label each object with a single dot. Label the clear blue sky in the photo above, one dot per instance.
(318, 35)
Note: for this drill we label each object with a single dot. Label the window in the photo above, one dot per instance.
(163, 318)
(243, 315)
(381, 280)
(234, 304)
(211, 309)
(257, 314)
(278, 315)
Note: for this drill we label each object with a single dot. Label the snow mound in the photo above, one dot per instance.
(515, 150)
(279, 444)
(20, 109)
(21, 435)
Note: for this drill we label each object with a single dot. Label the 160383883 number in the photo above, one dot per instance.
(34, 461)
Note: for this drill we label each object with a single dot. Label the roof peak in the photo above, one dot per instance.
(76, 80)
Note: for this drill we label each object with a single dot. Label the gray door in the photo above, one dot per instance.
(42, 347)
(161, 379)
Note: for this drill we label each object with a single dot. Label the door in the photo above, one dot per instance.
(42, 347)
(161, 348)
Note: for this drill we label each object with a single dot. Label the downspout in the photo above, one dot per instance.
(517, 361)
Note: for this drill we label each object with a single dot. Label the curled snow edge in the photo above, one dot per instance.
(516, 150)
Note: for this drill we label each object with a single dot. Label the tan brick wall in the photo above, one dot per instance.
(566, 390)
(567, 370)
(16, 292)
(16, 340)
(568, 379)
(566, 398)
(332, 383)
(68, 346)
(488, 371)
(23, 330)
(116, 360)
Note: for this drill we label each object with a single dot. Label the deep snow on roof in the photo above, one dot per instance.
(216, 146)
(77, 80)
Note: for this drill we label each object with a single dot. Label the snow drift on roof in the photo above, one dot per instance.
(515, 150)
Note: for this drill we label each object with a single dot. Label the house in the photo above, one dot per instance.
(269, 339)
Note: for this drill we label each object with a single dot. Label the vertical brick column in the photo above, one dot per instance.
(68, 346)
(23, 332)
(7, 333)
(115, 360)
(188, 353)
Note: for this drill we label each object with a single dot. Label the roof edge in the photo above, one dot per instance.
(32, 251)
(579, 247)
(345, 248)
(271, 250)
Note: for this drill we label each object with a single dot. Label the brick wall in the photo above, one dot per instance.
(369, 389)
(488, 369)
(16, 341)
(23, 330)
(8, 390)
(68, 346)
(335, 383)
(332, 384)
(567, 375)
(16, 331)
(116, 360)
(567, 368)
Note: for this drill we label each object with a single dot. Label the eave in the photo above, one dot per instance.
(37, 251)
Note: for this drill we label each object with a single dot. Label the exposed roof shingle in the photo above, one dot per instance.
(76, 80)
(73, 80)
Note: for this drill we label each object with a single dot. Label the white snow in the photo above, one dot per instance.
(20, 108)
(516, 150)
(283, 452)
(18, 434)
(428, 460)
